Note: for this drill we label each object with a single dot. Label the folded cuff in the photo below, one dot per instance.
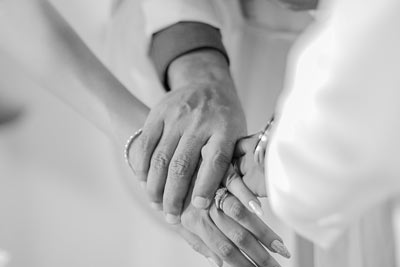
(180, 39)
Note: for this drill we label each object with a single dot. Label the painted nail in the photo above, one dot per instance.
(172, 219)
(256, 208)
(156, 206)
(201, 202)
(280, 248)
(143, 184)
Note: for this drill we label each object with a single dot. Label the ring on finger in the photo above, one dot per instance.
(220, 197)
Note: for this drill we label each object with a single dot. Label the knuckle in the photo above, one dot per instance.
(160, 160)
(237, 211)
(241, 238)
(226, 250)
(221, 159)
(180, 166)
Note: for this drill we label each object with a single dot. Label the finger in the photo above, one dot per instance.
(242, 238)
(159, 165)
(236, 186)
(234, 209)
(143, 147)
(217, 155)
(199, 246)
(180, 173)
(245, 145)
(219, 243)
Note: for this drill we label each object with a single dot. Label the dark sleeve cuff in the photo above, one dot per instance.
(179, 39)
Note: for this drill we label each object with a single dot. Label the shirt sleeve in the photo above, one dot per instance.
(333, 151)
(178, 27)
(160, 14)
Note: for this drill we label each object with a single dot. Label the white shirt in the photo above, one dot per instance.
(333, 151)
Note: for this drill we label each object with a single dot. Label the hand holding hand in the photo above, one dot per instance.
(252, 173)
(198, 122)
(223, 235)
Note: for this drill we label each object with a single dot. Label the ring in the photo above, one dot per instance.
(220, 197)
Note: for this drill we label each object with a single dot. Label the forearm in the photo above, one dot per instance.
(52, 54)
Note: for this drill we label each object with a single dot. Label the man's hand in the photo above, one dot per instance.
(195, 125)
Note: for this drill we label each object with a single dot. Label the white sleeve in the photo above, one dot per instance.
(335, 147)
(160, 14)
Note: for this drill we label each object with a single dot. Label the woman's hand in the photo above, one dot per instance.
(245, 165)
(224, 235)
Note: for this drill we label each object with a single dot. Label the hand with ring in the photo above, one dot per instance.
(229, 232)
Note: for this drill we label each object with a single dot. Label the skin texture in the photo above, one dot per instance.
(252, 174)
(198, 122)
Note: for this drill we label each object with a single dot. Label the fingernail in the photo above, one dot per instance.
(201, 202)
(256, 208)
(280, 248)
(172, 219)
(212, 262)
(156, 206)
(143, 184)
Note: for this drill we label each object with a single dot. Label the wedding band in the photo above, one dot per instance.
(128, 145)
(221, 202)
(220, 197)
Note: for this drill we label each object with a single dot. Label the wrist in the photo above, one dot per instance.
(200, 66)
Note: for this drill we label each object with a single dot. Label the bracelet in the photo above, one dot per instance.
(128, 146)
(261, 147)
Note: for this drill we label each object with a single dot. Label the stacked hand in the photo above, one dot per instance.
(184, 155)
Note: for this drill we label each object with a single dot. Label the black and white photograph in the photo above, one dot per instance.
(222, 133)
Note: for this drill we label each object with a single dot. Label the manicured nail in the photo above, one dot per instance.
(143, 184)
(280, 248)
(172, 219)
(156, 206)
(201, 202)
(212, 262)
(256, 208)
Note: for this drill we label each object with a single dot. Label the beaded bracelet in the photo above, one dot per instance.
(128, 146)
